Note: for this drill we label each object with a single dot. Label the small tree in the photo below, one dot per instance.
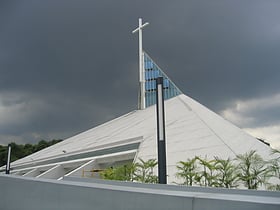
(122, 173)
(108, 174)
(252, 170)
(274, 169)
(226, 176)
(188, 171)
(208, 176)
(275, 163)
(144, 171)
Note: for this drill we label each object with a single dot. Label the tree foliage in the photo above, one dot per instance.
(122, 173)
(247, 169)
(226, 176)
(252, 170)
(208, 173)
(21, 150)
(188, 171)
(207, 176)
(142, 171)
(274, 169)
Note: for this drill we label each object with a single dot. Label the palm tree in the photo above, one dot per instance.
(226, 175)
(274, 169)
(145, 171)
(252, 170)
(188, 170)
(275, 163)
(208, 176)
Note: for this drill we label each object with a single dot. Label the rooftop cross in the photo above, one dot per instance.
(141, 65)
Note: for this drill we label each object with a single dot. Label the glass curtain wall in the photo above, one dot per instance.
(152, 71)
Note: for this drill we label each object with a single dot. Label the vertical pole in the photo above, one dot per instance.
(142, 99)
(141, 68)
(8, 160)
(161, 132)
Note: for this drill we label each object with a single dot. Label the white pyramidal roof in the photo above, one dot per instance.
(191, 130)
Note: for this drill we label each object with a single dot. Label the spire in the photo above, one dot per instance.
(142, 102)
(149, 71)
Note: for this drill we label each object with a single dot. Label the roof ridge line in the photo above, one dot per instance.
(203, 121)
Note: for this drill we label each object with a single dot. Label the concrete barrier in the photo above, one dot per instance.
(25, 193)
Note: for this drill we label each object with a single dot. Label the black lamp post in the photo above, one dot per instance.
(161, 132)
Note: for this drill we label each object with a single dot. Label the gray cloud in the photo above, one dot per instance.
(256, 112)
(67, 66)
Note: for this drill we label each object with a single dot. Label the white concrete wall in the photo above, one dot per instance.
(26, 193)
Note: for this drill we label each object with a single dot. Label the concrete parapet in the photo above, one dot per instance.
(72, 193)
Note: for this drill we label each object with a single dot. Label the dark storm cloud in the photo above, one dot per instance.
(259, 112)
(228, 44)
(67, 66)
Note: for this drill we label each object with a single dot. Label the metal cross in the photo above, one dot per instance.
(141, 64)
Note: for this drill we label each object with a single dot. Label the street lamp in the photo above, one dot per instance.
(161, 132)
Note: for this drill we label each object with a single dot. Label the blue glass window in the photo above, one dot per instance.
(165, 83)
(152, 71)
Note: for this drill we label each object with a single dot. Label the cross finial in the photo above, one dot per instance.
(140, 26)
(141, 66)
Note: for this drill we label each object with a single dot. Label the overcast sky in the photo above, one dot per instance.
(69, 65)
